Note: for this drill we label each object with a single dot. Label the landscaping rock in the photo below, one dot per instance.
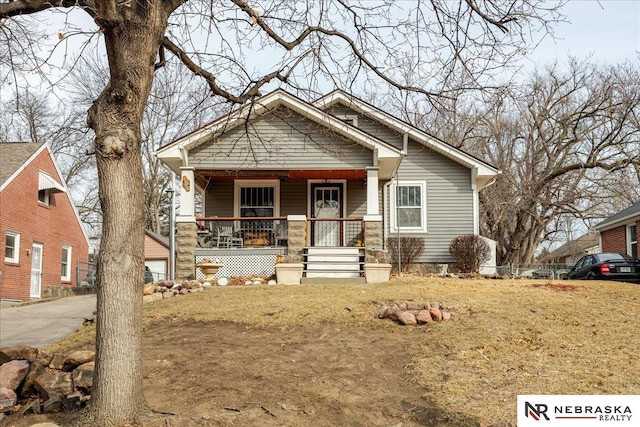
(446, 315)
(406, 318)
(52, 405)
(57, 361)
(83, 377)
(12, 373)
(382, 312)
(423, 317)
(72, 402)
(8, 397)
(413, 306)
(167, 294)
(32, 407)
(36, 368)
(436, 314)
(76, 359)
(54, 383)
(22, 352)
(149, 288)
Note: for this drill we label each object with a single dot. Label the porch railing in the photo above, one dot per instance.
(260, 232)
(235, 232)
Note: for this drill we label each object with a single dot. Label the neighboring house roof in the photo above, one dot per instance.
(619, 218)
(164, 241)
(16, 156)
(577, 247)
(13, 158)
(485, 172)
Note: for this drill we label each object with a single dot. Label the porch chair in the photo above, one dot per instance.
(227, 238)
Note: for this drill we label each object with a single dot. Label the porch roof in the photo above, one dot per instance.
(176, 154)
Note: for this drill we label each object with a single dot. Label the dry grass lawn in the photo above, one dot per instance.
(510, 337)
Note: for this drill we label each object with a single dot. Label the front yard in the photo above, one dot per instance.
(317, 355)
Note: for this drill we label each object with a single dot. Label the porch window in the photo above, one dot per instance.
(12, 247)
(409, 208)
(66, 263)
(257, 199)
(632, 232)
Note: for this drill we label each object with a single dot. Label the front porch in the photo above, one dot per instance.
(249, 246)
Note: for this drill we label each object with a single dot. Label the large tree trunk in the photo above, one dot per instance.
(132, 44)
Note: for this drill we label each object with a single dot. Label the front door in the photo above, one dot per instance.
(326, 203)
(36, 270)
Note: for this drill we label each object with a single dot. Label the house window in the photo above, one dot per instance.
(409, 208)
(66, 263)
(43, 197)
(632, 232)
(257, 199)
(12, 247)
(351, 119)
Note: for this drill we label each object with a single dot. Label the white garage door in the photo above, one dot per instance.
(158, 268)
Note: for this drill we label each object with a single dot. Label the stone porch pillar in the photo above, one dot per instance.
(187, 230)
(297, 234)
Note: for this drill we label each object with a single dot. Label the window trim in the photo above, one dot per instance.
(393, 207)
(632, 239)
(245, 183)
(16, 247)
(67, 277)
(47, 198)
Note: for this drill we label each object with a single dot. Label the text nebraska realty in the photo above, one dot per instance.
(601, 413)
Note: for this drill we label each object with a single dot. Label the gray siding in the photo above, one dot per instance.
(293, 198)
(356, 199)
(370, 126)
(281, 139)
(449, 199)
(219, 199)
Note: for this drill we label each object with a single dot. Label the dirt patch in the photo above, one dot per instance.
(560, 287)
(222, 373)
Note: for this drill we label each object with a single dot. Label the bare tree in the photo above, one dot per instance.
(557, 141)
(306, 46)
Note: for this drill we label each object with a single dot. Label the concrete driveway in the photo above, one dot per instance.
(42, 324)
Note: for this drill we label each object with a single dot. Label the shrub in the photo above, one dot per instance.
(410, 250)
(470, 252)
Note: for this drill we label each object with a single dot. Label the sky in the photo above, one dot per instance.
(607, 29)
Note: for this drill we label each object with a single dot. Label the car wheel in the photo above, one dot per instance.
(591, 276)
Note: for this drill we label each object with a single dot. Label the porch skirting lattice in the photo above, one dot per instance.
(239, 262)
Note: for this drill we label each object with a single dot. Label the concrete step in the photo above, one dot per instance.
(332, 280)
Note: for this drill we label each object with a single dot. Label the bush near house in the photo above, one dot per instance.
(470, 252)
(410, 249)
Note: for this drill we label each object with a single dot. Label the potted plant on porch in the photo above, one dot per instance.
(376, 267)
(289, 269)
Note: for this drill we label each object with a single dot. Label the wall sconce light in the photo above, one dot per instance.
(28, 252)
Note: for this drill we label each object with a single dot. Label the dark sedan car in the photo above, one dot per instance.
(606, 266)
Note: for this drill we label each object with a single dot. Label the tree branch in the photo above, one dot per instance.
(26, 7)
(290, 45)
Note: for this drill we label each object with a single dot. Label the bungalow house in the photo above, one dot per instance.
(327, 181)
(44, 241)
(620, 232)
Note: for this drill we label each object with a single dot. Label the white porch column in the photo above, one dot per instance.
(187, 231)
(373, 207)
(187, 195)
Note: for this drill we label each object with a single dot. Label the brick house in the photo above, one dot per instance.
(42, 234)
(620, 232)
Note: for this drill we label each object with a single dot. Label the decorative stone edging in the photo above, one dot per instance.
(412, 313)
